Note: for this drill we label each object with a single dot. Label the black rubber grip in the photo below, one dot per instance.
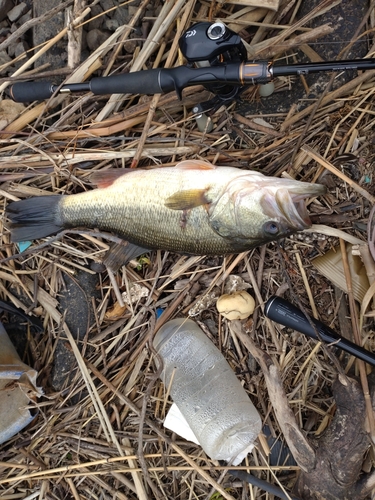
(31, 91)
(139, 82)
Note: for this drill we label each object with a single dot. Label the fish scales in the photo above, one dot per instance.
(125, 209)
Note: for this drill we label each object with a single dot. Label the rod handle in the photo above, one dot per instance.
(31, 91)
(139, 82)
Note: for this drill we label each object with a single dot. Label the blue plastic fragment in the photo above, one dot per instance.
(159, 312)
(23, 245)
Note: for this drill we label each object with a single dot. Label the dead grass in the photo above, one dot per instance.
(101, 436)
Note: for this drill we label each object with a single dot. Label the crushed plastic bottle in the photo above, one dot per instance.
(206, 391)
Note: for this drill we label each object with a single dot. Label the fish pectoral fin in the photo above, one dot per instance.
(104, 178)
(187, 199)
(120, 254)
(195, 165)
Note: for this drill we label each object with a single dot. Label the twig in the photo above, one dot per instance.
(261, 303)
(142, 416)
(75, 34)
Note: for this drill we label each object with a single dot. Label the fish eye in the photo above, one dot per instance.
(271, 227)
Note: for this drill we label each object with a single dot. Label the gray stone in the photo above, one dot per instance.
(20, 48)
(42, 32)
(107, 4)
(4, 58)
(95, 23)
(26, 17)
(122, 15)
(129, 46)
(132, 10)
(14, 27)
(75, 302)
(11, 50)
(96, 37)
(5, 6)
(111, 24)
(17, 12)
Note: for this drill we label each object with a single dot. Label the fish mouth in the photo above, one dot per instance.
(300, 215)
(289, 205)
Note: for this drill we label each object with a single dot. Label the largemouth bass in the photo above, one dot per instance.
(192, 208)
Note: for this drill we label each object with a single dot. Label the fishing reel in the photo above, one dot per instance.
(207, 45)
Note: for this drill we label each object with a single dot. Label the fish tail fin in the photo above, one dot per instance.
(34, 218)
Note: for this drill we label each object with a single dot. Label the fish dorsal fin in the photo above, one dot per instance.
(187, 199)
(195, 165)
(104, 178)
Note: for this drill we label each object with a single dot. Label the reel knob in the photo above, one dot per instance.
(214, 43)
(217, 31)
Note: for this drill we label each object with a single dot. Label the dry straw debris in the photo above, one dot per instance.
(98, 433)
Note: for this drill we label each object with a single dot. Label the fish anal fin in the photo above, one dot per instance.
(105, 178)
(187, 199)
(120, 254)
(195, 165)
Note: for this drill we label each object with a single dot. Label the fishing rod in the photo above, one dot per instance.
(216, 59)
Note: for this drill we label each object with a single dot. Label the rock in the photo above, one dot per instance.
(26, 17)
(132, 10)
(96, 10)
(4, 58)
(129, 46)
(17, 12)
(4, 31)
(5, 7)
(14, 27)
(20, 48)
(111, 24)
(75, 302)
(107, 4)
(11, 50)
(96, 37)
(121, 15)
(42, 32)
